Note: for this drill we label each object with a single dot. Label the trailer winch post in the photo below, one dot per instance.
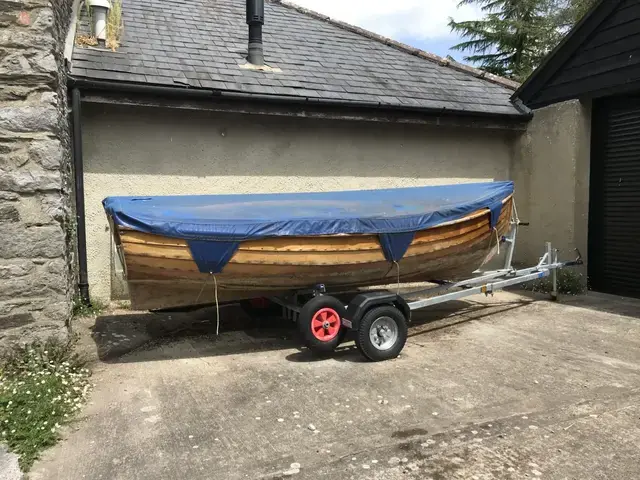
(552, 254)
(510, 240)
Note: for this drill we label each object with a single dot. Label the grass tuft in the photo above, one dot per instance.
(41, 386)
(80, 309)
(123, 305)
(114, 25)
(86, 40)
(114, 28)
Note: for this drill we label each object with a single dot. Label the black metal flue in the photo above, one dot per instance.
(255, 20)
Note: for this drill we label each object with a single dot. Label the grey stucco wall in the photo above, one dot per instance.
(151, 151)
(552, 173)
(35, 256)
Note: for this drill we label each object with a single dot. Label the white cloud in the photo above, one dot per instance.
(419, 19)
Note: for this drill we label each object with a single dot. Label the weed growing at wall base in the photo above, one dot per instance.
(80, 309)
(570, 282)
(42, 386)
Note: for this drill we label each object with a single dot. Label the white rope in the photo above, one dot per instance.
(398, 270)
(497, 240)
(215, 289)
(515, 213)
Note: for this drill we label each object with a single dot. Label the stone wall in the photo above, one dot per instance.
(35, 260)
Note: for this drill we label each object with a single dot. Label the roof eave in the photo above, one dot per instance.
(523, 116)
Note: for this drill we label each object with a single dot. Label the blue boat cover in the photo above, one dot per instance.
(214, 225)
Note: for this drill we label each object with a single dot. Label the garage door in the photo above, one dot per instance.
(614, 222)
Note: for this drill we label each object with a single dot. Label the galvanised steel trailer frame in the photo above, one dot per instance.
(379, 318)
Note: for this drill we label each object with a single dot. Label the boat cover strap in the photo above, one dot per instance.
(395, 245)
(214, 225)
(211, 256)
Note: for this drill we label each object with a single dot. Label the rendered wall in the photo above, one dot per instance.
(551, 170)
(146, 151)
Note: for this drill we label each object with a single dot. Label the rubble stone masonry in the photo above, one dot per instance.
(36, 227)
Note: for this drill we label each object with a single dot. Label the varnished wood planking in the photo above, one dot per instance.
(162, 294)
(141, 268)
(314, 244)
(165, 265)
(159, 256)
(261, 274)
(288, 257)
(453, 266)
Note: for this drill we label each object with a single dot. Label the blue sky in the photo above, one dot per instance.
(420, 23)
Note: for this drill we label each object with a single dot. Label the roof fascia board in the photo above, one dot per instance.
(299, 110)
(125, 87)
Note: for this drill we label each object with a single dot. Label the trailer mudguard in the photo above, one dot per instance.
(363, 302)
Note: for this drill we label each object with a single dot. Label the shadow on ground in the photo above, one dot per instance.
(448, 315)
(122, 332)
(119, 334)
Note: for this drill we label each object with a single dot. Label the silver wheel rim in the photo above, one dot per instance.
(383, 333)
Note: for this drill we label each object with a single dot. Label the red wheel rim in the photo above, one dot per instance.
(325, 324)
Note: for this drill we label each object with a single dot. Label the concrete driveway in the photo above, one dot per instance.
(504, 387)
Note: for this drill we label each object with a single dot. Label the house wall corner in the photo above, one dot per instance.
(551, 171)
(36, 253)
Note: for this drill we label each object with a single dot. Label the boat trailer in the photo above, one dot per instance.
(380, 318)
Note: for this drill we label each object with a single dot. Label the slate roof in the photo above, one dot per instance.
(202, 43)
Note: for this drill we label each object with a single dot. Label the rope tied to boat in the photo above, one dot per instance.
(215, 290)
(497, 240)
(398, 279)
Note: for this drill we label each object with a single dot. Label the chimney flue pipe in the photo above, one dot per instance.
(255, 20)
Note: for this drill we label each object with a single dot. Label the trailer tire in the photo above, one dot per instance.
(320, 323)
(382, 333)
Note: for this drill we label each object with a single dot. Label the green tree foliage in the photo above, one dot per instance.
(514, 35)
(570, 12)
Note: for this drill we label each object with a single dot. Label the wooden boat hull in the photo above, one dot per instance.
(161, 272)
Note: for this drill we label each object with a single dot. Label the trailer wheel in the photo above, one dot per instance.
(320, 323)
(382, 333)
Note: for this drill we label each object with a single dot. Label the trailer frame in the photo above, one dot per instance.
(361, 303)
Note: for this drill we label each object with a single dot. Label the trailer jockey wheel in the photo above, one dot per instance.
(382, 333)
(320, 323)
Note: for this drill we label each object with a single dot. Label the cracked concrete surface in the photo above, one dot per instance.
(9, 467)
(503, 387)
